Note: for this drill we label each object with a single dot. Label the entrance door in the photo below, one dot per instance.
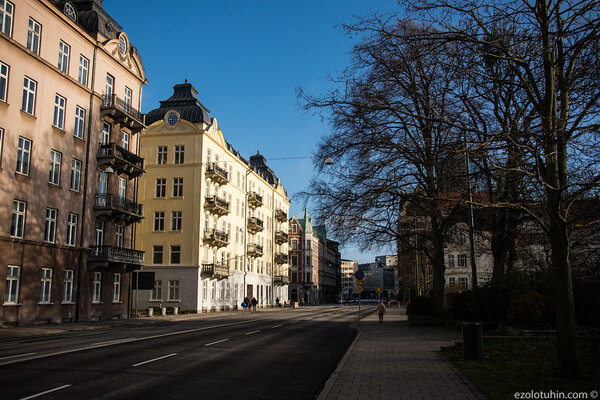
(249, 291)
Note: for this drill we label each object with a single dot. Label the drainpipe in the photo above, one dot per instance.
(85, 187)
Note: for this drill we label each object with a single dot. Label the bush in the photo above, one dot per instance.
(532, 310)
(420, 305)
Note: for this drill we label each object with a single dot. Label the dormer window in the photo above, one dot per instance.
(70, 12)
(172, 118)
(122, 44)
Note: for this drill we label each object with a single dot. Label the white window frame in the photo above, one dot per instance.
(156, 250)
(109, 89)
(1, 144)
(157, 290)
(75, 184)
(125, 140)
(6, 18)
(122, 190)
(179, 154)
(173, 290)
(68, 286)
(161, 155)
(172, 252)
(50, 225)
(159, 221)
(19, 214)
(34, 35)
(13, 277)
(23, 155)
(79, 122)
(60, 105)
(161, 188)
(178, 187)
(127, 99)
(462, 261)
(4, 73)
(64, 54)
(84, 64)
(55, 163)
(106, 128)
(97, 287)
(117, 287)
(176, 219)
(72, 221)
(46, 286)
(119, 235)
(29, 95)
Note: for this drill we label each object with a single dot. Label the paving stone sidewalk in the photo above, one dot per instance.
(395, 361)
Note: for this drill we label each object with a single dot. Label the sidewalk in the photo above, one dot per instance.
(395, 361)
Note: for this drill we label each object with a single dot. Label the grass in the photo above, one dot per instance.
(522, 364)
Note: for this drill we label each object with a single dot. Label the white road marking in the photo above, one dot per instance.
(46, 392)
(294, 322)
(276, 326)
(250, 333)
(218, 341)
(17, 355)
(154, 359)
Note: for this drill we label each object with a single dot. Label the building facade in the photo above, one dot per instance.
(70, 91)
(215, 226)
(314, 263)
(348, 268)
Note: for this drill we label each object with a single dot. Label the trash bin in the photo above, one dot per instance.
(472, 340)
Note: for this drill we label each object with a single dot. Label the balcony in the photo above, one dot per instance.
(216, 238)
(214, 270)
(122, 161)
(115, 257)
(281, 280)
(216, 205)
(216, 174)
(281, 258)
(281, 237)
(255, 250)
(117, 208)
(254, 200)
(281, 216)
(123, 113)
(255, 225)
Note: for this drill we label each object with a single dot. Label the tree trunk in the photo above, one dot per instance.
(439, 265)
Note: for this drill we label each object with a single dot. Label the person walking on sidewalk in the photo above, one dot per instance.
(254, 302)
(381, 311)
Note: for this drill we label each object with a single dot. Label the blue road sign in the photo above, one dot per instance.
(359, 274)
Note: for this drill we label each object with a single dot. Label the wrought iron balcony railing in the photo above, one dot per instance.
(117, 207)
(120, 159)
(216, 173)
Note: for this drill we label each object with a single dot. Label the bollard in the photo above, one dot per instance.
(472, 340)
(150, 311)
(175, 310)
(163, 311)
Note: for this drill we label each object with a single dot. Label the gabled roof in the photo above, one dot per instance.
(185, 101)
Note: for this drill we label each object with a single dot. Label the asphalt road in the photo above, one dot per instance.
(284, 354)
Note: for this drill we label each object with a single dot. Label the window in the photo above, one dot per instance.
(116, 288)
(64, 50)
(159, 221)
(50, 227)
(462, 260)
(127, 99)
(1, 144)
(79, 122)
(97, 287)
(294, 244)
(463, 283)
(452, 281)
(75, 175)
(55, 161)
(294, 229)
(23, 156)
(82, 76)
(29, 88)
(176, 220)
(106, 133)
(109, 89)
(157, 254)
(70, 12)
(294, 260)
(11, 295)
(173, 290)
(99, 233)
(17, 227)
(68, 286)
(175, 254)
(6, 16)
(122, 191)
(33, 36)
(157, 291)
(125, 140)
(3, 81)
(162, 155)
(461, 238)
(72, 229)
(171, 119)
(119, 235)
(177, 187)
(161, 187)
(46, 289)
(179, 153)
(451, 260)
(59, 111)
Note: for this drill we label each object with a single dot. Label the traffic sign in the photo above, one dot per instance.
(394, 292)
(359, 274)
(378, 290)
(359, 281)
(359, 289)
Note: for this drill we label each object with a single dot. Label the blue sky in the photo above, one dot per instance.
(246, 59)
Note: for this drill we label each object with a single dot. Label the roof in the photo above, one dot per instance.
(185, 101)
(259, 164)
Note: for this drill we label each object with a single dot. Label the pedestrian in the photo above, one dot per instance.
(246, 303)
(381, 311)
(277, 302)
(254, 302)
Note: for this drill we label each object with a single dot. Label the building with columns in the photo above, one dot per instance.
(70, 91)
(215, 226)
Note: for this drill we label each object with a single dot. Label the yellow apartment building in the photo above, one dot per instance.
(70, 91)
(215, 224)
